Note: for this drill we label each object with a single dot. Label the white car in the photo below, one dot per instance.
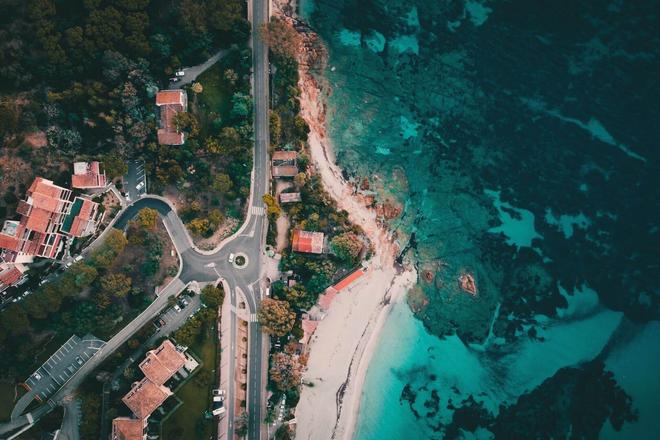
(139, 186)
(177, 308)
(219, 411)
(231, 258)
(219, 392)
(179, 72)
(78, 258)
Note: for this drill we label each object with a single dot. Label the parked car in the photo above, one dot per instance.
(42, 282)
(218, 408)
(177, 308)
(139, 186)
(175, 79)
(218, 392)
(78, 258)
(231, 258)
(79, 360)
(179, 72)
(159, 322)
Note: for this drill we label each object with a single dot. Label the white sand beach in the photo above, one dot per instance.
(345, 340)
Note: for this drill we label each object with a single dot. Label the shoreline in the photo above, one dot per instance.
(345, 341)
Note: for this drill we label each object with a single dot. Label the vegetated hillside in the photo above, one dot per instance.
(79, 76)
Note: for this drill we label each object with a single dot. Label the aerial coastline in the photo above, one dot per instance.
(345, 340)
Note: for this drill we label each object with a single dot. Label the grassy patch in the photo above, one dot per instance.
(215, 100)
(188, 420)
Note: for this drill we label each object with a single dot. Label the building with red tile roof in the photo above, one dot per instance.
(162, 363)
(83, 219)
(170, 102)
(284, 164)
(42, 213)
(325, 299)
(347, 281)
(306, 241)
(125, 428)
(88, 175)
(10, 274)
(308, 328)
(145, 397)
(290, 197)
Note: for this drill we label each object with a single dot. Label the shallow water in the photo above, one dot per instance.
(520, 137)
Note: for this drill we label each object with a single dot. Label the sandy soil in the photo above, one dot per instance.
(345, 340)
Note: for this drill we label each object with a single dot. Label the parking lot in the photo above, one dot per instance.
(58, 369)
(135, 182)
(173, 320)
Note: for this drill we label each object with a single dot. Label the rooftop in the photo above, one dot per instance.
(87, 175)
(170, 97)
(81, 220)
(161, 364)
(290, 197)
(284, 170)
(284, 156)
(145, 397)
(125, 428)
(348, 280)
(308, 327)
(170, 102)
(306, 241)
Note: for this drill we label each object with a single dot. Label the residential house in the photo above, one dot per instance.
(83, 219)
(145, 397)
(308, 242)
(170, 102)
(126, 428)
(158, 366)
(162, 363)
(10, 274)
(88, 176)
(308, 328)
(284, 164)
(290, 197)
(42, 213)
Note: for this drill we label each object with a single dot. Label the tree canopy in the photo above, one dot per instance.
(276, 316)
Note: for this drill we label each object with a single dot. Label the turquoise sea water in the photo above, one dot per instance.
(520, 139)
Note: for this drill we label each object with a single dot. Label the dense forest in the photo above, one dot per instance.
(79, 79)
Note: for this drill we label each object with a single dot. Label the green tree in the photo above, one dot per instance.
(285, 371)
(272, 207)
(116, 284)
(276, 316)
(222, 183)
(15, 320)
(114, 165)
(347, 247)
(298, 297)
(241, 425)
(281, 38)
(212, 296)
(146, 218)
(187, 122)
(83, 274)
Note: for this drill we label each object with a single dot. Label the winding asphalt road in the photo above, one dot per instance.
(201, 266)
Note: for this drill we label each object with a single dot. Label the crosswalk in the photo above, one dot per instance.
(257, 210)
(253, 317)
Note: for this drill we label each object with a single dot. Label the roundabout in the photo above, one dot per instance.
(240, 261)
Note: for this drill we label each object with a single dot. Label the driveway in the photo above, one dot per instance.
(191, 73)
